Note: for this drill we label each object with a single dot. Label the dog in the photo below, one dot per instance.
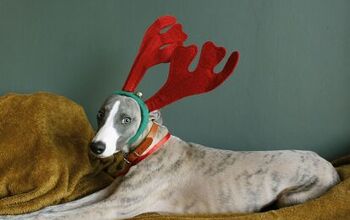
(188, 178)
(185, 177)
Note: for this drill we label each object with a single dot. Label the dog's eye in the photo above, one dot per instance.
(126, 120)
(100, 115)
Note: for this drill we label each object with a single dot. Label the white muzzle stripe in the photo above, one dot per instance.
(108, 134)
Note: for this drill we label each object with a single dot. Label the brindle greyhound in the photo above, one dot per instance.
(168, 175)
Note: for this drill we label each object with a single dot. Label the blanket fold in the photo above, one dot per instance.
(44, 157)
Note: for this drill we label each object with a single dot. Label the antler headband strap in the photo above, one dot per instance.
(144, 114)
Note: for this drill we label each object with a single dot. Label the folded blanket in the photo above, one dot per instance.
(44, 157)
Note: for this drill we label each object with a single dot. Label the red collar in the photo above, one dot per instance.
(144, 149)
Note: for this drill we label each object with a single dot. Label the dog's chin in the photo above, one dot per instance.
(103, 156)
(124, 149)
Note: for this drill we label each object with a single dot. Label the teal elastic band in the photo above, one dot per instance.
(144, 114)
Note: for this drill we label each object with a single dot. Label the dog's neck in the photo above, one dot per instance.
(161, 133)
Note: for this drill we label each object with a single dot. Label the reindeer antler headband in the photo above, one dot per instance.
(156, 48)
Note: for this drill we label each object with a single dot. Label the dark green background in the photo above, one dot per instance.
(290, 90)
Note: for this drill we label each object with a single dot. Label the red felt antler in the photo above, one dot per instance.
(182, 83)
(156, 48)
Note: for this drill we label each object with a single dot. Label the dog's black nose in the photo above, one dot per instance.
(97, 147)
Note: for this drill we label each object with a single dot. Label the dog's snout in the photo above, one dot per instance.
(97, 147)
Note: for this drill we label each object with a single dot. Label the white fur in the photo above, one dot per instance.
(108, 134)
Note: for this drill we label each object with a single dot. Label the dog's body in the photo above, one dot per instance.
(189, 178)
(184, 177)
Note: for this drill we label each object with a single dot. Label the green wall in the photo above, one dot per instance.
(291, 88)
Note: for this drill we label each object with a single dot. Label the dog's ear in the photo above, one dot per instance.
(156, 116)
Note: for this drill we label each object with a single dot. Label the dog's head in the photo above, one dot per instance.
(121, 122)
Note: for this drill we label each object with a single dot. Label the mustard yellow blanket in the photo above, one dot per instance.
(44, 156)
